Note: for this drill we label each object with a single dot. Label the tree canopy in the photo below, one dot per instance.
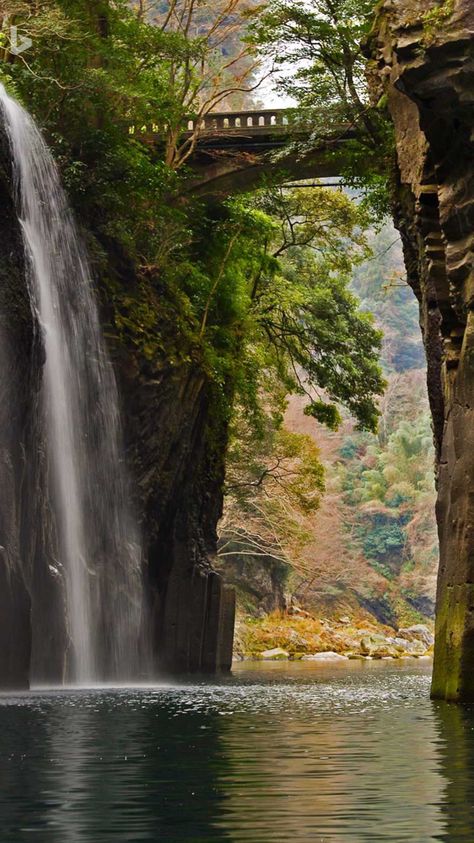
(316, 50)
(254, 291)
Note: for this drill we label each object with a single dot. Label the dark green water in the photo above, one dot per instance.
(275, 753)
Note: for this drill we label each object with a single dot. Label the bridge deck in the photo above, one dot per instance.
(232, 152)
(244, 123)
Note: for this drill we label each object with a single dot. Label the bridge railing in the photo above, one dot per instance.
(236, 121)
(244, 122)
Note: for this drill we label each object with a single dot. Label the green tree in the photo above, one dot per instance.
(305, 310)
(318, 50)
(252, 293)
(391, 487)
(322, 40)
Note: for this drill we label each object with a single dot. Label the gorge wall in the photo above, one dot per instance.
(176, 461)
(177, 455)
(422, 61)
(16, 351)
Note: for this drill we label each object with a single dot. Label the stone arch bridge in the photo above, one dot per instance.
(240, 150)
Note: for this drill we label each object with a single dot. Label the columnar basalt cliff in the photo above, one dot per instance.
(176, 450)
(177, 461)
(423, 61)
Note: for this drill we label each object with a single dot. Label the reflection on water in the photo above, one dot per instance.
(455, 741)
(274, 753)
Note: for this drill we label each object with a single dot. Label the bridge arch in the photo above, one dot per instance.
(236, 151)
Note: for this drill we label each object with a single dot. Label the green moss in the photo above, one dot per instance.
(452, 669)
(434, 19)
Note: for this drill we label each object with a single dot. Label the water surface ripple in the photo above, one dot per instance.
(290, 752)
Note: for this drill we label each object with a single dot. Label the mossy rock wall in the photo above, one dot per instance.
(423, 60)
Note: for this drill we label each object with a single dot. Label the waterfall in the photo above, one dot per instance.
(100, 555)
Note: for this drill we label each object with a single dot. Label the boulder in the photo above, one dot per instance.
(297, 640)
(345, 643)
(378, 646)
(296, 610)
(418, 632)
(277, 654)
(403, 645)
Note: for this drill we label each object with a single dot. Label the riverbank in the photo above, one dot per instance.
(299, 635)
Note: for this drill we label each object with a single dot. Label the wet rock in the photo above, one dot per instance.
(277, 654)
(175, 447)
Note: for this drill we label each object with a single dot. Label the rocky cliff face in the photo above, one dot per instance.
(176, 457)
(15, 352)
(423, 60)
(176, 443)
(178, 460)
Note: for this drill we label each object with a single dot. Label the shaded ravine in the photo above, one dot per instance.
(99, 557)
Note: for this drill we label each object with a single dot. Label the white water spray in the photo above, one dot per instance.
(99, 541)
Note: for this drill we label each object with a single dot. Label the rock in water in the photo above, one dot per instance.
(277, 654)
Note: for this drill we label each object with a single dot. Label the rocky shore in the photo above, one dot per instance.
(299, 636)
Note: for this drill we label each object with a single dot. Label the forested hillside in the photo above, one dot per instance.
(389, 480)
(370, 542)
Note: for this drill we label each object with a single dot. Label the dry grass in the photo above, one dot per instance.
(302, 635)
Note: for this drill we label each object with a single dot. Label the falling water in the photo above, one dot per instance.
(99, 541)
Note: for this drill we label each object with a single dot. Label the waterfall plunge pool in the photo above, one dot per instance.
(275, 752)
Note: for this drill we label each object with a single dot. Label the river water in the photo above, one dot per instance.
(276, 752)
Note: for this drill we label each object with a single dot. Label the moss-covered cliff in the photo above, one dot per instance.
(423, 61)
(177, 443)
(176, 449)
